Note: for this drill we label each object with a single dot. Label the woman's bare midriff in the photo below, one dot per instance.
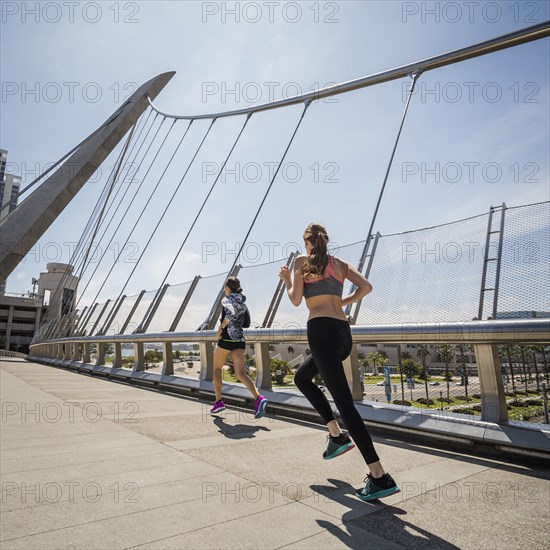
(325, 305)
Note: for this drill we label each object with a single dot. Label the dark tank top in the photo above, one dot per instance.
(324, 285)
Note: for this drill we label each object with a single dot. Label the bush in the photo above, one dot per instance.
(279, 369)
(476, 396)
(424, 401)
(446, 400)
(462, 398)
(517, 403)
(533, 402)
(400, 402)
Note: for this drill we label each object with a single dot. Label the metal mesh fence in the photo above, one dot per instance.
(94, 317)
(168, 308)
(140, 311)
(289, 315)
(259, 283)
(525, 270)
(429, 275)
(118, 320)
(201, 302)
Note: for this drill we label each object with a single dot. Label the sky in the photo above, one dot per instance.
(476, 135)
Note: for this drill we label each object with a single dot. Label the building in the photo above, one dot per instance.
(21, 316)
(9, 189)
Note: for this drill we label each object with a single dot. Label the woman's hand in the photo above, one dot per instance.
(284, 274)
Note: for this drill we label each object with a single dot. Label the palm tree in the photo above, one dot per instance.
(446, 353)
(400, 369)
(410, 368)
(511, 366)
(377, 359)
(521, 353)
(464, 370)
(424, 353)
(534, 350)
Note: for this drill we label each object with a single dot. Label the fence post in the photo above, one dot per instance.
(100, 350)
(353, 374)
(263, 366)
(86, 353)
(139, 361)
(206, 350)
(117, 359)
(493, 399)
(167, 358)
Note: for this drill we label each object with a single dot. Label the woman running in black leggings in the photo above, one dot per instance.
(319, 278)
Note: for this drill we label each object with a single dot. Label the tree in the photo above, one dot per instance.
(446, 354)
(377, 359)
(518, 352)
(290, 350)
(424, 353)
(509, 354)
(534, 350)
(271, 347)
(526, 370)
(153, 356)
(410, 368)
(461, 359)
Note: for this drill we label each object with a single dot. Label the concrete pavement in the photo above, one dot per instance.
(91, 463)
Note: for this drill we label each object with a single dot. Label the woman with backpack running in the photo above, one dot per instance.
(319, 278)
(231, 341)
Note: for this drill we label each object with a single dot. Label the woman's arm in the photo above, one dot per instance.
(295, 290)
(361, 282)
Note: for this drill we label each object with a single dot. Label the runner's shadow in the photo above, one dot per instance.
(379, 519)
(238, 431)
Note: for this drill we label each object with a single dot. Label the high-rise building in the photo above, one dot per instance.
(9, 186)
(9, 189)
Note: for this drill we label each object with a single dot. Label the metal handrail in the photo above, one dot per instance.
(535, 32)
(472, 332)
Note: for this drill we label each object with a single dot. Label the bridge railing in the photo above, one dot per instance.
(483, 336)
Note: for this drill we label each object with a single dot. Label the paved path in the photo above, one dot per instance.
(88, 463)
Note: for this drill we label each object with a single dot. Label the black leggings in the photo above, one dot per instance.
(330, 343)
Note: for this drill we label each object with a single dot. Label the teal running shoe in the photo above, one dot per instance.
(337, 446)
(382, 487)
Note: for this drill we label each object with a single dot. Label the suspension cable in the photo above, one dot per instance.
(124, 196)
(167, 206)
(388, 168)
(197, 216)
(99, 207)
(306, 105)
(128, 210)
